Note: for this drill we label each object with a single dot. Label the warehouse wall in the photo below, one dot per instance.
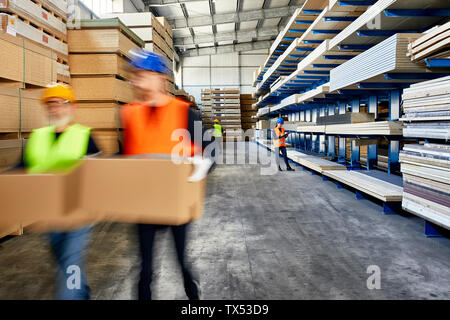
(229, 70)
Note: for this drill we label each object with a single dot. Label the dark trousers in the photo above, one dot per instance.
(146, 237)
(284, 154)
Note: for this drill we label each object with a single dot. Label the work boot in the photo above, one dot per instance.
(290, 169)
(279, 168)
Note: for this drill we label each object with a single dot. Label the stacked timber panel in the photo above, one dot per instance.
(44, 23)
(181, 94)
(99, 53)
(207, 111)
(248, 113)
(227, 109)
(433, 47)
(155, 32)
(426, 168)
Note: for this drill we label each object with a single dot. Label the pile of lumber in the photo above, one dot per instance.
(248, 114)
(434, 44)
(426, 107)
(227, 109)
(349, 117)
(43, 23)
(181, 94)
(426, 179)
(380, 189)
(99, 54)
(384, 128)
(155, 32)
(207, 111)
(319, 164)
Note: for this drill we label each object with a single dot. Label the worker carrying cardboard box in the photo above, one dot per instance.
(57, 148)
(149, 124)
(280, 144)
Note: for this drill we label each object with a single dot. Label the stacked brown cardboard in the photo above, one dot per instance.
(226, 106)
(248, 113)
(99, 53)
(181, 94)
(44, 23)
(207, 111)
(155, 32)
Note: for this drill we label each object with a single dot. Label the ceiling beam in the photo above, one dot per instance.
(234, 17)
(248, 46)
(168, 2)
(240, 36)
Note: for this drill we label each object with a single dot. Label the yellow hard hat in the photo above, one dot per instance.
(58, 91)
(216, 121)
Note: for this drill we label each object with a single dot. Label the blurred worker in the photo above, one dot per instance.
(148, 126)
(218, 140)
(57, 148)
(280, 144)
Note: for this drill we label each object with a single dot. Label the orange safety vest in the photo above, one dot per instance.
(279, 142)
(149, 130)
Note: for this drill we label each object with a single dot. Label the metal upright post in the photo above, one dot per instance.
(355, 151)
(341, 146)
(372, 150)
(394, 146)
(331, 142)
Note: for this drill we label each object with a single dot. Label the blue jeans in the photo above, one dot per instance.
(68, 249)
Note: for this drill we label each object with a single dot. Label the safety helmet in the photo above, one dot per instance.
(216, 121)
(150, 61)
(280, 121)
(58, 90)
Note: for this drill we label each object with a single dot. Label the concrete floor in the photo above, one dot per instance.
(284, 236)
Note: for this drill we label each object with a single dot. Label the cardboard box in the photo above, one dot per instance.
(146, 190)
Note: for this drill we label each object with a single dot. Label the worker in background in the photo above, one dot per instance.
(57, 148)
(148, 125)
(280, 144)
(218, 137)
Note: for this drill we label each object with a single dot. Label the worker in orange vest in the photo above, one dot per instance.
(148, 126)
(280, 144)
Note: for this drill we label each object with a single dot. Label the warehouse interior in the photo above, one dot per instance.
(361, 90)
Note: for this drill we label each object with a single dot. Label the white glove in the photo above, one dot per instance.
(201, 168)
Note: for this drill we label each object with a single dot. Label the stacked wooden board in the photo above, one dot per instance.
(426, 108)
(248, 114)
(207, 110)
(181, 94)
(227, 109)
(434, 44)
(42, 22)
(426, 179)
(99, 54)
(382, 190)
(385, 128)
(155, 32)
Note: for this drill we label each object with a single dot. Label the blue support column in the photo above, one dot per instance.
(331, 152)
(393, 156)
(359, 195)
(355, 150)
(394, 105)
(391, 207)
(341, 150)
(430, 230)
(372, 150)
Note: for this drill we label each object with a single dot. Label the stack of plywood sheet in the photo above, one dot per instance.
(426, 108)
(349, 117)
(384, 128)
(207, 110)
(155, 32)
(248, 114)
(433, 44)
(44, 23)
(181, 94)
(426, 179)
(99, 53)
(227, 109)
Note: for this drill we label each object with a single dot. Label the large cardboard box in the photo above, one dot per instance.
(147, 190)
